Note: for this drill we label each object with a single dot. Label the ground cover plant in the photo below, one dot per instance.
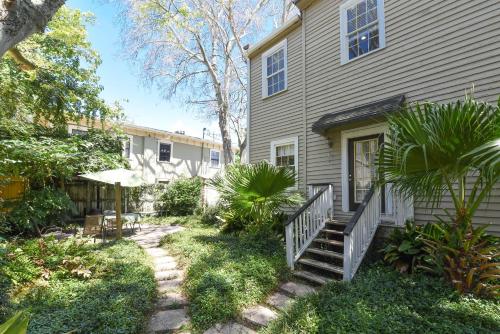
(225, 272)
(381, 300)
(69, 286)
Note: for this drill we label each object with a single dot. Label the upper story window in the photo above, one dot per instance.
(127, 146)
(274, 70)
(164, 151)
(362, 28)
(214, 158)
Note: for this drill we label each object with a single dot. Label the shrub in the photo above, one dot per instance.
(404, 249)
(211, 215)
(181, 197)
(466, 256)
(255, 194)
(38, 209)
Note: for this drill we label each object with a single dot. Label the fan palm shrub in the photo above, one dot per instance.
(431, 151)
(255, 194)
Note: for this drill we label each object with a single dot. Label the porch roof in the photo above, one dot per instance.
(359, 113)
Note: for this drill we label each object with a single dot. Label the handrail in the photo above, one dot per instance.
(305, 206)
(361, 208)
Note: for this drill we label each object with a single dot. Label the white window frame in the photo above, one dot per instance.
(130, 139)
(210, 158)
(265, 55)
(158, 151)
(344, 42)
(287, 141)
(72, 127)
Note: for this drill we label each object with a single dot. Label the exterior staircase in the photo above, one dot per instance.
(323, 260)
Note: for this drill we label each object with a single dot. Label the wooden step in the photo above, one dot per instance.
(337, 232)
(326, 253)
(322, 265)
(309, 276)
(329, 242)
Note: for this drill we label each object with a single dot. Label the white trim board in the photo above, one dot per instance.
(344, 137)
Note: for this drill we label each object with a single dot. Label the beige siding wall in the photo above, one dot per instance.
(280, 116)
(435, 50)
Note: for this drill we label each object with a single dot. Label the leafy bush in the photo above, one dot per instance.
(226, 273)
(82, 287)
(380, 300)
(211, 216)
(138, 196)
(40, 208)
(467, 257)
(404, 249)
(255, 194)
(181, 197)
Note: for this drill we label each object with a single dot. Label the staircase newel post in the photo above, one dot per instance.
(289, 245)
(347, 258)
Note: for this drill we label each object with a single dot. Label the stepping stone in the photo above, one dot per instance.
(168, 274)
(230, 328)
(164, 259)
(279, 301)
(169, 285)
(171, 300)
(296, 289)
(156, 252)
(166, 321)
(258, 316)
(165, 266)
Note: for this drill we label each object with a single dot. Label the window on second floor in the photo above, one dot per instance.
(362, 28)
(164, 151)
(274, 70)
(214, 158)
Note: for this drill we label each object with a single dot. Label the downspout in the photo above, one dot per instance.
(248, 111)
(304, 101)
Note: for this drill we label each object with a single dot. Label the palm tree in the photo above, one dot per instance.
(256, 191)
(433, 149)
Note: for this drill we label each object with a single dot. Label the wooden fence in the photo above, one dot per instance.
(11, 189)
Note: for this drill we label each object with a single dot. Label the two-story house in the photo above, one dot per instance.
(320, 87)
(160, 156)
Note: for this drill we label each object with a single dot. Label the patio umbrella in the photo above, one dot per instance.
(120, 178)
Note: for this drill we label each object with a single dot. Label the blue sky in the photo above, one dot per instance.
(120, 80)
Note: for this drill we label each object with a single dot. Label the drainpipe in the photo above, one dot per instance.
(202, 148)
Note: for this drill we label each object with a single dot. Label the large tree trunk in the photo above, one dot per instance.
(19, 19)
(226, 136)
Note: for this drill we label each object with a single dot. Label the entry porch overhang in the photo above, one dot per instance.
(364, 112)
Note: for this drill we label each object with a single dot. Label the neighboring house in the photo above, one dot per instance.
(163, 156)
(319, 88)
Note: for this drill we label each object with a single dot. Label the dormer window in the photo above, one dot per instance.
(362, 28)
(274, 70)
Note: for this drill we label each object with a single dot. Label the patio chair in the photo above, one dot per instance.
(110, 225)
(93, 226)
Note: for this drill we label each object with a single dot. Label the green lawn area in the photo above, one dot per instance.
(69, 286)
(381, 300)
(225, 272)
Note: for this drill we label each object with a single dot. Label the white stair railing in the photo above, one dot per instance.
(360, 231)
(399, 208)
(307, 222)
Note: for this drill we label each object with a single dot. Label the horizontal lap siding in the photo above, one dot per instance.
(279, 116)
(435, 50)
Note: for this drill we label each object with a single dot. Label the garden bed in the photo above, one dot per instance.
(225, 273)
(381, 300)
(68, 286)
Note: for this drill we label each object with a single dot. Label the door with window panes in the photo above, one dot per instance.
(362, 173)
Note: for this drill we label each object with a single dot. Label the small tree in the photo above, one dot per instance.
(432, 149)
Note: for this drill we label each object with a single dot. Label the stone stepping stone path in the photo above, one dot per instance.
(256, 317)
(170, 314)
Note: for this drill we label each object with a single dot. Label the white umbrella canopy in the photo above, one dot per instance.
(126, 178)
